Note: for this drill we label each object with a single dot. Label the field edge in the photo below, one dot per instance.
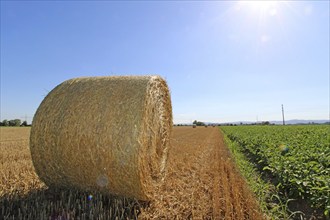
(267, 195)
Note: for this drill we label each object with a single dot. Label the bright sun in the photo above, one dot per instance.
(261, 6)
(266, 15)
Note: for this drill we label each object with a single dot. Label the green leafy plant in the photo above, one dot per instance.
(297, 157)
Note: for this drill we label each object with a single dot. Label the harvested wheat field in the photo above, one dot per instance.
(201, 183)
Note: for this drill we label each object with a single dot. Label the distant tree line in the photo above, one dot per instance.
(14, 123)
(198, 123)
(241, 123)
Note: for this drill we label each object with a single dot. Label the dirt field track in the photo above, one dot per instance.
(201, 182)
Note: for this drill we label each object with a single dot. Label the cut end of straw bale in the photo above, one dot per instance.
(108, 134)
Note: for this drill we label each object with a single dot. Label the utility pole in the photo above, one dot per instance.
(283, 114)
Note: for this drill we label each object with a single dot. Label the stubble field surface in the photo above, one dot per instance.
(201, 183)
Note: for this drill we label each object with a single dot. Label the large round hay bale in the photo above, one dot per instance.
(109, 134)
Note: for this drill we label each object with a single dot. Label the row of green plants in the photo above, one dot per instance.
(268, 196)
(295, 158)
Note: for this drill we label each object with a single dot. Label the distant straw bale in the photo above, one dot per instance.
(109, 134)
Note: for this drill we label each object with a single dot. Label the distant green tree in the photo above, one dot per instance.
(198, 123)
(15, 122)
(24, 123)
(5, 123)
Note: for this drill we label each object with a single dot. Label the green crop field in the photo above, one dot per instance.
(297, 158)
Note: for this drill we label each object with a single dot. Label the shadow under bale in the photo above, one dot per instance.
(62, 204)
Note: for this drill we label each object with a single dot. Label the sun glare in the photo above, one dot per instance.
(261, 6)
(262, 18)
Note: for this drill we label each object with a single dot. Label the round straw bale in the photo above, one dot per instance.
(108, 134)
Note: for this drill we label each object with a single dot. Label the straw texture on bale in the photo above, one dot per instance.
(107, 134)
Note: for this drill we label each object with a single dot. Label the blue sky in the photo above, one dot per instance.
(224, 61)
